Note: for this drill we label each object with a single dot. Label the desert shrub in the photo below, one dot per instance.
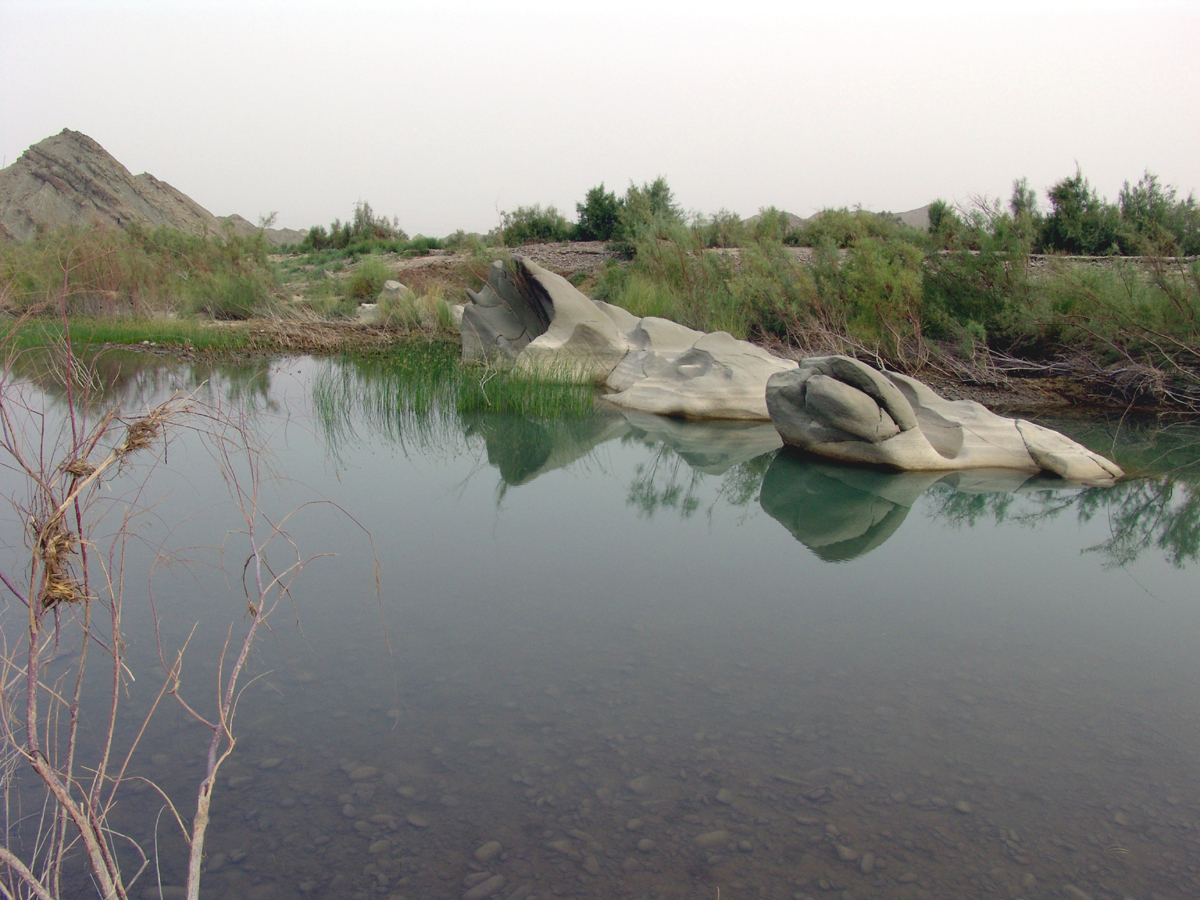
(464, 242)
(534, 225)
(597, 215)
(777, 293)
(676, 278)
(842, 228)
(366, 224)
(113, 271)
(646, 212)
(421, 245)
(773, 225)
(874, 293)
(722, 229)
(945, 225)
(365, 229)
(1121, 310)
(1080, 221)
(366, 281)
(762, 292)
(1155, 222)
(975, 275)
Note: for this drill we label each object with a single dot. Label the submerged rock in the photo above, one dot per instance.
(840, 408)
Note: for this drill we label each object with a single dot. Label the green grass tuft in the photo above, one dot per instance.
(185, 333)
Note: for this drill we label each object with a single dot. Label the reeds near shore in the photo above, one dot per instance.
(419, 390)
(133, 271)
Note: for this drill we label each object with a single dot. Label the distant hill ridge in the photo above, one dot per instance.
(914, 218)
(69, 179)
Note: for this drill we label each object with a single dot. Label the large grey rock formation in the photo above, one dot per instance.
(533, 319)
(840, 408)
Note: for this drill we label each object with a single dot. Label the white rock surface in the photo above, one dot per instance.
(540, 322)
(843, 409)
(653, 342)
(582, 341)
(719, 377)
(394, 291)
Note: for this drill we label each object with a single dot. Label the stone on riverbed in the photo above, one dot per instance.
(840, 408)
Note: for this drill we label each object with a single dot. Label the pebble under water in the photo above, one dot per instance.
(603, 665)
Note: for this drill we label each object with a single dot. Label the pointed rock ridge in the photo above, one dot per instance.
(843, 409)
(69, 179)
(535, 320)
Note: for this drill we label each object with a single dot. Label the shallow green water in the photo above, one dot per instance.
(602, 631)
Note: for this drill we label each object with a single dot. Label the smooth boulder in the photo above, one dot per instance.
(500, 320)
(843, 409)
(653, 343)
(718, 377)
(534, 320)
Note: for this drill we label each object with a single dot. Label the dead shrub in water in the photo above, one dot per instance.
(69, 589)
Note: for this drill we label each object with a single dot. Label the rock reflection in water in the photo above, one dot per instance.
(843, 512)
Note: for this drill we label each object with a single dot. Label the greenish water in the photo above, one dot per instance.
(601, 630)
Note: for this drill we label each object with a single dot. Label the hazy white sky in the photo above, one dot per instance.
(444, 113)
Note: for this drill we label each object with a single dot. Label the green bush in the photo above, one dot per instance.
(842, 228)
(135, 271)
(597, 215)
(722, 229)
(1116, 313)
(366, 281)
(773, 225)
(365, 228)
(971, 287)
(644, 212)
(762, 292)
(534, 225)
(875, 293)
(1080, 221)
(1155, 222)
(945, 225)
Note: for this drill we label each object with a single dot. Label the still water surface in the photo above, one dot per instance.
(658, 659)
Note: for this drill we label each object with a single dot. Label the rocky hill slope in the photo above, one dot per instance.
(69, 179)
